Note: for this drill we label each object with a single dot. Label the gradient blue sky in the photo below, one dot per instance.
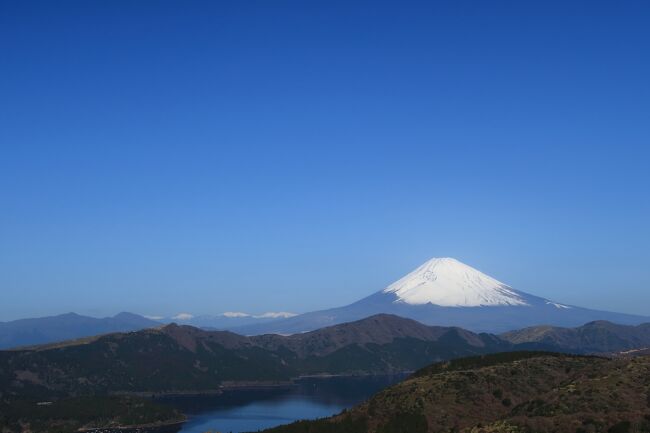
(197, 156)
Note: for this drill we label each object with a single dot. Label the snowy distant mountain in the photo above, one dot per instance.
(227, 320)
(446, 292)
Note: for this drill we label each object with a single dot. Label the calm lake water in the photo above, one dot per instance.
(251, 410)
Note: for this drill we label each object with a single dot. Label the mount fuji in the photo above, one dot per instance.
(446, 292)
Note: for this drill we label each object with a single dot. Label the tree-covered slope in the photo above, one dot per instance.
(509, 392)
(71, 414)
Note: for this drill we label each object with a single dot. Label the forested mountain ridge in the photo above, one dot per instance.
(182, 358)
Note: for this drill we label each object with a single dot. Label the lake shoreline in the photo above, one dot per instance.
(161, 427)
(249, 408)
(253, 385)
(224, 390)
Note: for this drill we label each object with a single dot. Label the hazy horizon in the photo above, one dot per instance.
(179, 314)
(165, 158)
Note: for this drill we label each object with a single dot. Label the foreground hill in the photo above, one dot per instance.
(182, 358)
(509, 393)
(28, 332)
(446, 292)
(76, 414)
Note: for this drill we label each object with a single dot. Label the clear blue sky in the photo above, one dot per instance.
(201, 156)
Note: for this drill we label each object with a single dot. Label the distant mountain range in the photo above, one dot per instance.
(43, 330)
(505, 393)
(26, 332)
(441, 292)
(183, 358)
(594, 337)
(446, 292)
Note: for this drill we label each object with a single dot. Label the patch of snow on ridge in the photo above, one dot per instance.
(556, 305)
(268, 315)
(450, 283)
(275, 315)
(233, 314)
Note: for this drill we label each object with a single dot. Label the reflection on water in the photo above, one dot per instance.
(251, 410)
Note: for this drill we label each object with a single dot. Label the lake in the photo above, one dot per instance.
(248, 410)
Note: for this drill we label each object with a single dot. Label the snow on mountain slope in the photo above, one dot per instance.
(446, 292)
(450, 283)
(227, 320)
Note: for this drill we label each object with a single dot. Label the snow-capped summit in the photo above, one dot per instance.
(450, 283)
